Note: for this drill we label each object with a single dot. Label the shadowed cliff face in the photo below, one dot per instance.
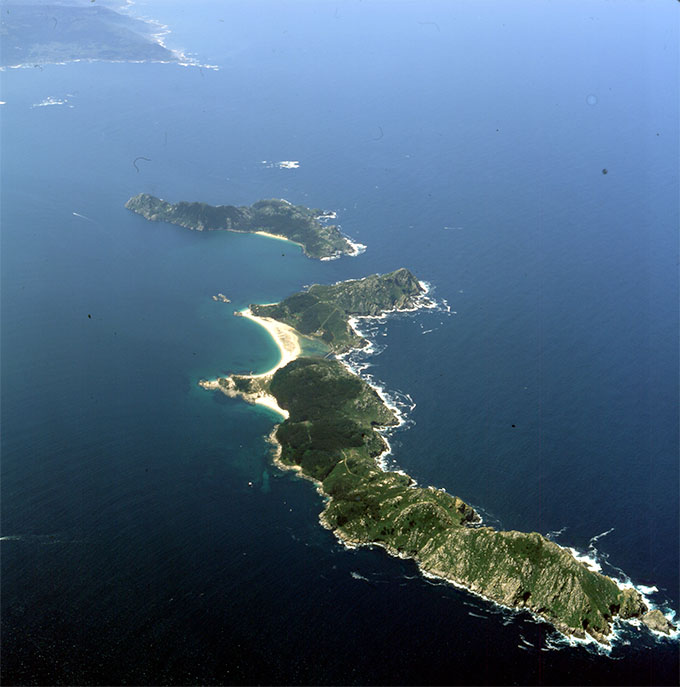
(294, 222)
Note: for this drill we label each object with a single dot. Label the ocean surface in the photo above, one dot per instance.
(146, 537)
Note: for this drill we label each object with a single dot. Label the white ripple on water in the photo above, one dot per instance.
(358, 576)
(595, 560)
(42, 538)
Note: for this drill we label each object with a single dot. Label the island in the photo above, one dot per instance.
(37, 33)
(331, 434)
(275, 218)
(327, 312)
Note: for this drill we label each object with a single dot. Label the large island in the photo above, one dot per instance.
(277, 218)
(331, 436)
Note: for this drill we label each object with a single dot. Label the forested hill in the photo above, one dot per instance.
(324, 312)
(294, 222)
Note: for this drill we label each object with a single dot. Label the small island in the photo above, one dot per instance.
(330, 434)
(275, 218)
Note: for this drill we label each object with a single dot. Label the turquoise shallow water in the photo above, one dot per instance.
(138, 551)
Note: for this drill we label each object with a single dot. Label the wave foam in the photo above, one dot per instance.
(50, 101)
(358, 576)
(553, 534)
(368, 327)
(281, 164)
(596, 560)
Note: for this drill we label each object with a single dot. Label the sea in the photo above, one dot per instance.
(520, 157)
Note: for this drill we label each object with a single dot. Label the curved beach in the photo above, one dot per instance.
(285, 337)
(288, 342)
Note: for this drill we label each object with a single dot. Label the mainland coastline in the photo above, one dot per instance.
(32, 36)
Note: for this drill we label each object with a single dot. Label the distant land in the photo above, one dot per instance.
(36, 33)
(277, 218)
(330, 435)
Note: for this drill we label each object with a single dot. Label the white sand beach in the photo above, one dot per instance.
(272, 236)
(285, 337)
(278, 237)
(289, 345)
(270, 402)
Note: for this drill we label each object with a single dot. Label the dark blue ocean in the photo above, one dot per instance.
(146, 537)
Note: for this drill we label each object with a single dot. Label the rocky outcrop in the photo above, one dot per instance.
(655, 620)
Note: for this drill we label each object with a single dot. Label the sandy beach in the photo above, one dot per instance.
(279, 237)
(289, 346)
(285, 337)
(260, 398)
(270, 402)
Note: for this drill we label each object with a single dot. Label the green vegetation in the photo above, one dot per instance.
(331, 436)
(324, 311)
(331, 411)
(294, 222)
